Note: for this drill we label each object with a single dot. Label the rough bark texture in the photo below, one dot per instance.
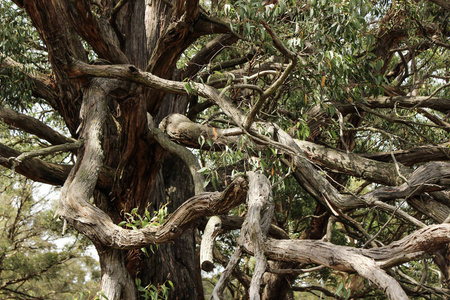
(176, 261)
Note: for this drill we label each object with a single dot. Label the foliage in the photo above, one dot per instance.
(135, 221)
(17, 36)
(152, 292)
(34, 262)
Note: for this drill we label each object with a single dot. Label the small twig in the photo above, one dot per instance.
(261, 73)
(397, 167)
(320, 289)
(398, 211)
(430, 289)
(278, 43)
(341, 130)
(113, 22)
(272, 89)
(434, 119)
(425, 273)
(431, 95)
(168, 3)
(64, 228)
(329, 233)
(397, 120)
(275, 85)
(384, 225)
(313, 217)
(118, 7)
(362, 187)
(282, 179)
(358, 227)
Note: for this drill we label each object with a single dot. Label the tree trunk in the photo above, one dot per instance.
(145, 178)
(116, 281)
(175, 262)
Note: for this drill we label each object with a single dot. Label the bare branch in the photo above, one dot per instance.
(46, 151)
(217, 293)
(97, 32)
(414, 155)
(272, 89)
(256, 225)
(45, 172)
(436, 120)
(278, 43)
(285, 142)
(206, 248)
(187, 156)
(126, 72)
(436, 103)
(33, 126)
(207, 54)
(76, 208)
(348, 259)
(243, 278)
(425, 240)
(277, 83)
(320, 289)
(184, 131)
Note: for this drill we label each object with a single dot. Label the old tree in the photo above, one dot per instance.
(310, 138)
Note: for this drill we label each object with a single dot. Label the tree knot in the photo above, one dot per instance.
(133, 69)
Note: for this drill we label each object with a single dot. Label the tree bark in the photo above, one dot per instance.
(116, 282)
(176, 261)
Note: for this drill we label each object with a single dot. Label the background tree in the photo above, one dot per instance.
(329, 117)
(32, 266)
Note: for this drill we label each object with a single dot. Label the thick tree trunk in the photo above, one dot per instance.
(147, 180)
(141, 180)
(175, 262)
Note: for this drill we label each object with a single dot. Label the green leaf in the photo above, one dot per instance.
(206, 182)
(202, 170)
(248, 27)
(101, 293)
(188, 88)
(143, 249)
(339, 288)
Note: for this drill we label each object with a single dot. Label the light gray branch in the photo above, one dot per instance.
(206, 247)
(187, 156)
(46, 151)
